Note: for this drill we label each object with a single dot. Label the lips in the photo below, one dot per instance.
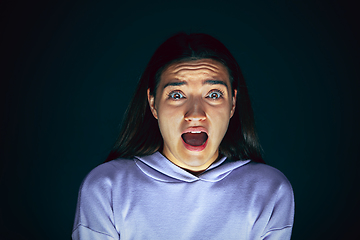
(195, 138)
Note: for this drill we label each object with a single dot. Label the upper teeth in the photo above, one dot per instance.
(195, 131)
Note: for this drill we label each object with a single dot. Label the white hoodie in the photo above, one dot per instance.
(152, 198)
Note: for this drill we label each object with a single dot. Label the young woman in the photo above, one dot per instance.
(187, 163)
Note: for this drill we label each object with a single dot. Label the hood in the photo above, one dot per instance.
(160, 168)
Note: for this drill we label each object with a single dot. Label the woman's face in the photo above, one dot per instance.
(193, 106)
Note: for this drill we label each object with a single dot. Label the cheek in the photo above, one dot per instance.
(222, 123)
(169, 119)
(220, 119)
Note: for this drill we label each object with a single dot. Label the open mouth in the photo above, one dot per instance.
(195, 138)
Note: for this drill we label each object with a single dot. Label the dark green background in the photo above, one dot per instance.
(69, 69)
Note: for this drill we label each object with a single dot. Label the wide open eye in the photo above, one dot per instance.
(175, 95)
(215, 94)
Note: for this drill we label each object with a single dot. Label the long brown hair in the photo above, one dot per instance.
(140, 134)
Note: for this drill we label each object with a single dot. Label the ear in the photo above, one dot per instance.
(232, 111)
(151, 100)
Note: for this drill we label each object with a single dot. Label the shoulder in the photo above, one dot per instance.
(267, 185)
(272, 194)
(263, 171)
(263, 176)
(106, 174)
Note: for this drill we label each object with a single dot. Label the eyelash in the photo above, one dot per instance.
(172, 93)
(221, 94)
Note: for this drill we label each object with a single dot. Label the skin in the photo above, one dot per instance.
(193, 94)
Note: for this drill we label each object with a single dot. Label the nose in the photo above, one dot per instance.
(195, 111)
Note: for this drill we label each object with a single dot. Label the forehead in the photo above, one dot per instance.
(202, 68)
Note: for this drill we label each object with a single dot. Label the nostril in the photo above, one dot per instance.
(195, 118)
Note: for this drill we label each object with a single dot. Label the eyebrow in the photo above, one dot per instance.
(214, 82)
(208, 82)
(175, 84)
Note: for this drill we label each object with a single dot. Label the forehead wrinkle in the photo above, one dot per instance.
(211, 72)
(196, 67)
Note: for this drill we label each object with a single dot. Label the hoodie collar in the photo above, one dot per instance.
(160, 168)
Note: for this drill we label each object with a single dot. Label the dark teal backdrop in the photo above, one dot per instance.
(69, 69)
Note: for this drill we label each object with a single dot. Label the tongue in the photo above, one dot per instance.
(195, 139)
